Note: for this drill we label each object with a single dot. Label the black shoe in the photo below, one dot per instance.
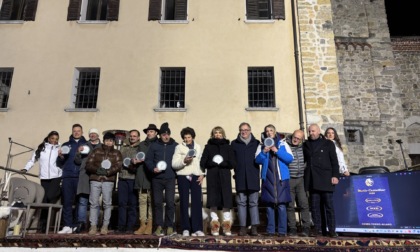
(315, 233)
(80, 227)
(270, 234)
(243, 231)
(129, 231)
(305, 232)
(333, 234)
(120, 231)
(292, 232)
(281, 235)
(254, 231)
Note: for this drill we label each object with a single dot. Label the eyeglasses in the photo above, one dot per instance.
(297, 138)
(244, 130)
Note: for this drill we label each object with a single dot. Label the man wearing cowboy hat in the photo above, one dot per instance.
(142, 183)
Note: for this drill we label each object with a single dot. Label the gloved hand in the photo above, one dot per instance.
(101, 172)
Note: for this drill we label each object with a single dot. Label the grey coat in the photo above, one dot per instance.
(83, 187)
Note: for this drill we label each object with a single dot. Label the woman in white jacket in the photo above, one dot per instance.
(331, 134)
(49, 174)
(186, 162)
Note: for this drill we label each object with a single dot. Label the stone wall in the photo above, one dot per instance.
(369, 85)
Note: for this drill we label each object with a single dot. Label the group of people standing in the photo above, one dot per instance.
(284, 169)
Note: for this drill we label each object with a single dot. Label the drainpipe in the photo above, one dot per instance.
(297, 65)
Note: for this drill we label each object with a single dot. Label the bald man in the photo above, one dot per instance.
(297, 188)
(321, 176)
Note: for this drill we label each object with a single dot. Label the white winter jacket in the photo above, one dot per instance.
(180, 167)
(47, 162)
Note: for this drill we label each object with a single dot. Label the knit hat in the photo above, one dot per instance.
(151, 127)
(164, 128)
(109, 135)
(93, 130)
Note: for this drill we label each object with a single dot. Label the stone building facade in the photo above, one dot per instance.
(374, 103)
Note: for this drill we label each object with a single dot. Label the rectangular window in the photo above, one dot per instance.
(93, 10)
(96, 9)
(172, 88)
(168, 9)
(265, 9)
(18, 10)
(86, 88)
(261, 87)
(6, 75)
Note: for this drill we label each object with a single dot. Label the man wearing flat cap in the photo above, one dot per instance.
(159, 163)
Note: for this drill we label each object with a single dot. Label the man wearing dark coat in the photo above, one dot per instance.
(321, 176)
(247, 178)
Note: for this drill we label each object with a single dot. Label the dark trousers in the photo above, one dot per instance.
(127, 204)
(159, 186)
(69, 190)
(185, 186)
(326, 199)
(52, 190)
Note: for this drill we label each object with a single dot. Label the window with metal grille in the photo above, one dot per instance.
(261, 87)
(6, 75)
(87, 85)
(172, 88)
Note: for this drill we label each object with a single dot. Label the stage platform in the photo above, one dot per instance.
(211, 243)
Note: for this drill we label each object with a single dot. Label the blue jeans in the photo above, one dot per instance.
(96, 189)
(82, 208)
(245, 200)
(271, 218)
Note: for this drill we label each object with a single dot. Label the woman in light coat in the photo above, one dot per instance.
(190, 178)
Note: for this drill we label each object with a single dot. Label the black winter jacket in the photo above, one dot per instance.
(247, 171)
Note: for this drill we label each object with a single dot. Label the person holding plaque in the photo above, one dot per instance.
(103, 164)
(159, 162)
(274, 156)
(218, 159)
(186, 163)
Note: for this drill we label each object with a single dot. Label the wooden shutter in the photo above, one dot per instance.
(30, 10)
(6, 10)
(113, 10)
(252, 9)
(73, 12)
(278, 9)
(155, 9)
(180, 10)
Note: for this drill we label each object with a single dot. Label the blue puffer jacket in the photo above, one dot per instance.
(275, 176)
(70, 168)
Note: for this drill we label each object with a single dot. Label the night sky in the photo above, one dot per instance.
(403, 18)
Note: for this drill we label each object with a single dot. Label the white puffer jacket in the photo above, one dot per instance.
(47, 162)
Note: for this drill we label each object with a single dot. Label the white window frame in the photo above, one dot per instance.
(83, 12)
(73, 93)
(163, 19)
